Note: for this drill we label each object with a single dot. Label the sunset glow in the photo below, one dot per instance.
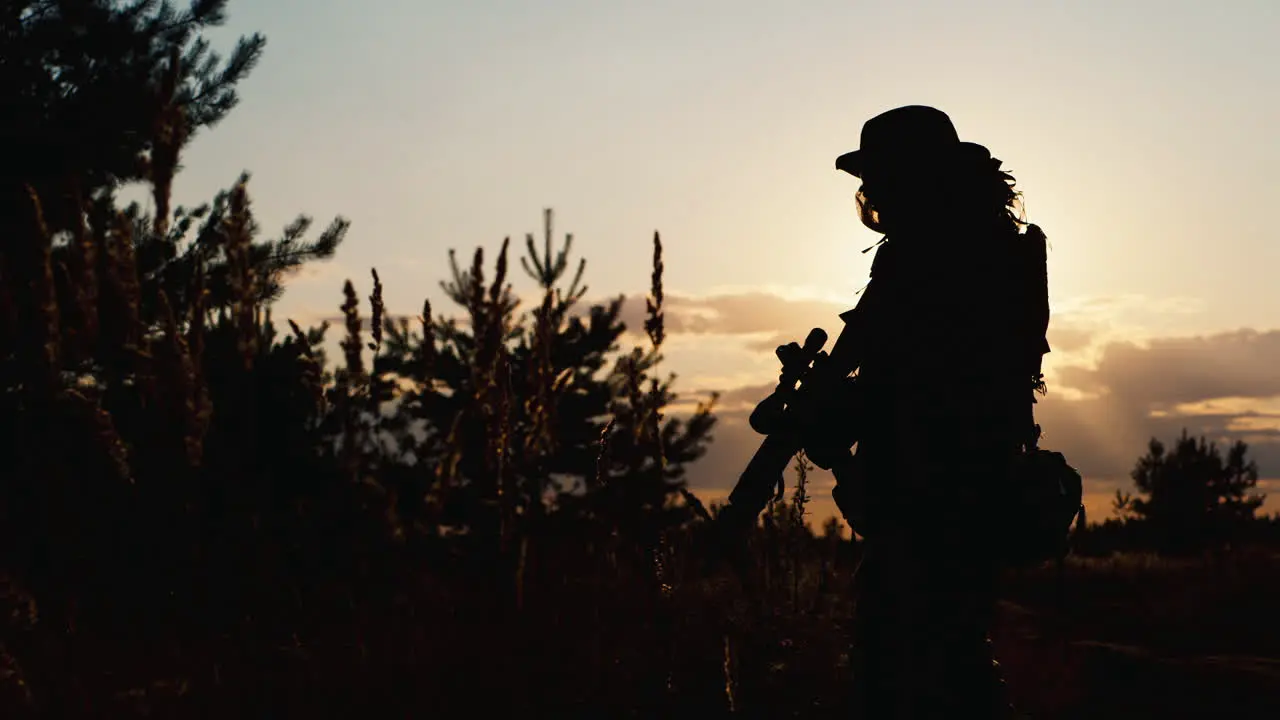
(717, 124)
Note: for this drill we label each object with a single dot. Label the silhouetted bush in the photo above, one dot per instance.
(1192, 498)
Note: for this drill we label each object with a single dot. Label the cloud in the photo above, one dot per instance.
(1076, 323)
(1242, 363)
(740, 398)
(1127, 309)
(772, 317)
(1068, 339)
(1224, 386)
(1119, 375)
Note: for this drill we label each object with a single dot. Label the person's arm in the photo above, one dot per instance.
(851, 343)
(846, 353)
(829, 417)
(849, 492)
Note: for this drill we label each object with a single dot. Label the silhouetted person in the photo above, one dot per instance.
(947, 342)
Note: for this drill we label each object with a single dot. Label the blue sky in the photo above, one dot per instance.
(1143, 134)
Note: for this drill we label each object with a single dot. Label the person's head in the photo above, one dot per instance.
(916, 173)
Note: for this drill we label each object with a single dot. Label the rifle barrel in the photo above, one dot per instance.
(757, 483)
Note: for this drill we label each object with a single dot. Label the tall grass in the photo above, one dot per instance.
(231, 526)
(203, 517)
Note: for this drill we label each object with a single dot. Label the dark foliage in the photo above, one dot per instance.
(202, 516)
(1192, 498)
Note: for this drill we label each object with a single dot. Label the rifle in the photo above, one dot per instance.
(1045, 491)
(810, 377)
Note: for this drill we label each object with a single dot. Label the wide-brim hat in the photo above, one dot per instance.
(909, 137)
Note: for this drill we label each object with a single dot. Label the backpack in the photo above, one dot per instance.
(1042, 501)
(1044, 493)
(1041, 494)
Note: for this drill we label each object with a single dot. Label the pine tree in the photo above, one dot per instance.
(1193, 497)
(102, 92)
(512, 407)
(164, 469)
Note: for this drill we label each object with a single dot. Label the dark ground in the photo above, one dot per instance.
(1140, 637)
(1127, 637)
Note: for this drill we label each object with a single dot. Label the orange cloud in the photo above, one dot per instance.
(1109, 394)
(1065, 338)
(1169, 371)
(1224, 386)
(779, 320)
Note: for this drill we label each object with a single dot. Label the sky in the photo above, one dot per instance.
(1142, 134)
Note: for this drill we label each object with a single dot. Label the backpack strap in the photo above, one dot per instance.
(1035, 247)
(1033, 250)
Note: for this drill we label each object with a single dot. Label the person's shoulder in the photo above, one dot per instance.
(885, 252)
(1033, 244)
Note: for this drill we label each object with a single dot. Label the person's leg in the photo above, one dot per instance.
(921, 639)
(889, 590)
(872, 642)
(953, 544)
(959, 674)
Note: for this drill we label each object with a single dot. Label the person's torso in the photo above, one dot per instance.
(951, 339)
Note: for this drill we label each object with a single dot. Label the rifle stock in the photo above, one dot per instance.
(763, 477)
(759, 481)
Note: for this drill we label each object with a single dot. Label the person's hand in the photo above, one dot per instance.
(827, 422)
